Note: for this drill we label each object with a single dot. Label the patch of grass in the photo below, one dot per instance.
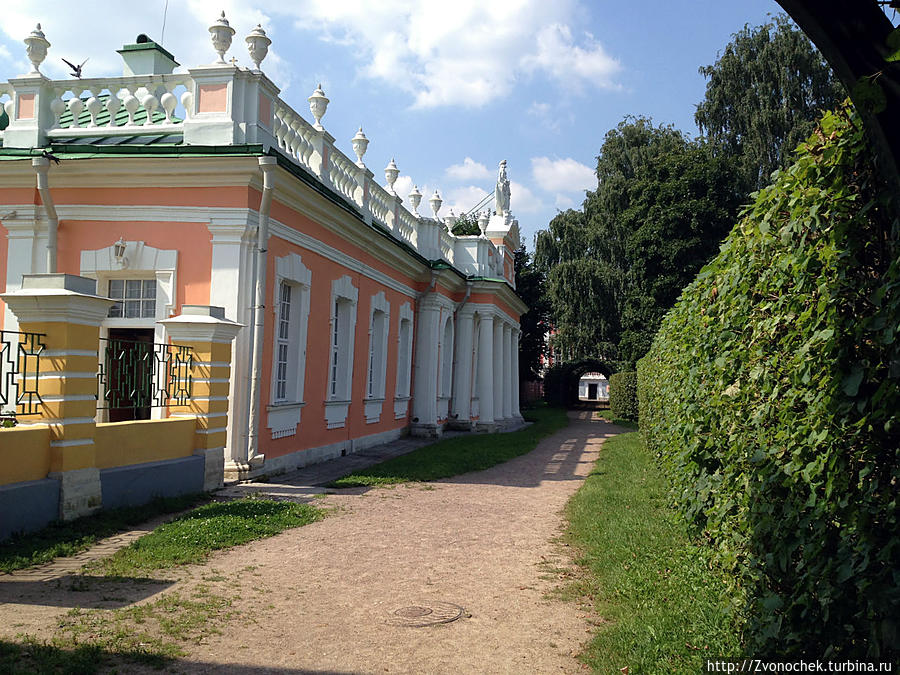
(90, 641)
(661, 606)
(64, 539)
(618, 421)
(455, 456)
(190, 538)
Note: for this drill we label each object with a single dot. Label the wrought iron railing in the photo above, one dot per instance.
(20, 365)
(137, 374)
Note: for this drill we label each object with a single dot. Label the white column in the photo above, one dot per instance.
(498, 369)
(461, 404)
(486, 373)
(507, 371)
(516, 336)
(426, 366)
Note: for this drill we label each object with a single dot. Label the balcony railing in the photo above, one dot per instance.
(137, 374)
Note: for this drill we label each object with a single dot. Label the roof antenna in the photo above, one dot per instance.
(162, 38)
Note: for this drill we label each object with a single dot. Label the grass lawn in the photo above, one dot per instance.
(661, 606)
(607, 415)
(455, 456)
(63, 539)
(192, 537)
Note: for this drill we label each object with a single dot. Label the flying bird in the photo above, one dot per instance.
(76, 70)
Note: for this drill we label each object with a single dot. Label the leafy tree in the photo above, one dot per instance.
(581, 289)
(534, 323)
(465, 224)
(662, 206)
(764, 94)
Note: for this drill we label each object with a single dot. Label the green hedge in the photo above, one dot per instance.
(623, 398)
(772, 395)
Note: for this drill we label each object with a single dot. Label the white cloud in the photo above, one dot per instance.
(523, 200)
(563, 202)
(575, 66)
(468, 170)
(563, 175)
(466, 53)
(462, 199)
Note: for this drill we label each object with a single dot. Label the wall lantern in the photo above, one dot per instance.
(119, 252)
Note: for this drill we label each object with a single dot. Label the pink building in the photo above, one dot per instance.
(362, 320)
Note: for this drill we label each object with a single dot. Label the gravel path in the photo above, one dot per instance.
(338, 596)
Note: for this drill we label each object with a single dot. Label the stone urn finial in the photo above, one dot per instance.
(221, 33)
(258, 45)
(360, 144)
(318, 104)
(483, 220)
(36, 45)
(391, 173)
(435, 202)
(415, 198)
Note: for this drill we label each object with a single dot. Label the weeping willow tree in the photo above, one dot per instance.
(663, 204)
(763, 97)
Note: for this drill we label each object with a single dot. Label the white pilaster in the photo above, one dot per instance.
(26, 254)
(507, 371)
(516, 337)
(230, 287)
(499, 375)
(461, 407)
(486, 373)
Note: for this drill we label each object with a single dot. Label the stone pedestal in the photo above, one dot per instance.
(209, 334)
(66, 311)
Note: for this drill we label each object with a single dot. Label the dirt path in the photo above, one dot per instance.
(323, 598)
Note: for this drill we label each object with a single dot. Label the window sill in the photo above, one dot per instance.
(285, 405)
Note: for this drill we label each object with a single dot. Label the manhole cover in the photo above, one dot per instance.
(425, 615)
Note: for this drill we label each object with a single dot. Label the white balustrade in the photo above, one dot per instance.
(408, 228)
(129, 104)
(447, 245)
(343, 174)
(137, 94)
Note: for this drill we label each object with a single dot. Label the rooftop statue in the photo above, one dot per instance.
(501, 192)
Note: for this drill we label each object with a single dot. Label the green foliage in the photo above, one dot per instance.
(561, 379)
(193, 536)
(623, 396)
(772, 394)
(63, 539)
(663, 606)
(466, 225)
(764, 94)
(661, 209)
(455, 456)
(534, 322)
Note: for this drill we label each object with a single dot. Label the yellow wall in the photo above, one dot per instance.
(24, 453)
(123, 443)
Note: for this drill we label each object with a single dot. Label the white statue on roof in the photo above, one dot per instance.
(501, 192)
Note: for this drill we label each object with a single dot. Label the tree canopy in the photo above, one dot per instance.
(665, 201)
(763, 96)
(663, 204)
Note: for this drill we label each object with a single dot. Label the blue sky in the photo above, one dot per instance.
(448, 89)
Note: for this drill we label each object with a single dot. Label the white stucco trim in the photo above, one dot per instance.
(283, 417)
